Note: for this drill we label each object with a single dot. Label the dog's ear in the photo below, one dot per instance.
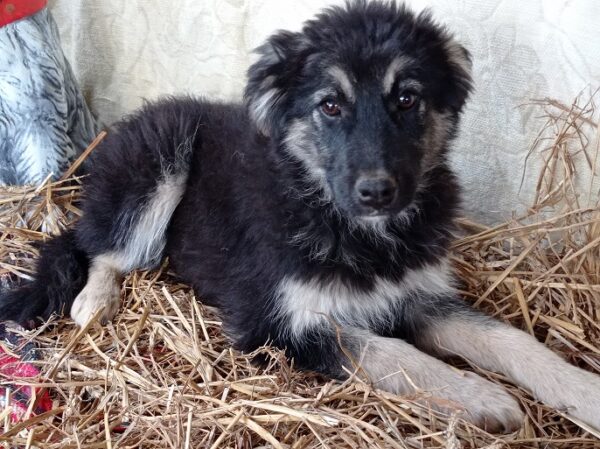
(269, 79)
(460, 68)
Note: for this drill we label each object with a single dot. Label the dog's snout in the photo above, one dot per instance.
(376, 192)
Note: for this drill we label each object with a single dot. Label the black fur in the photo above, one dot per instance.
(61, 273)
(234, 236)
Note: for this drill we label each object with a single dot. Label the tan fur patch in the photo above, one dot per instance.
(392, 71)
(344, 82)
(101, 292)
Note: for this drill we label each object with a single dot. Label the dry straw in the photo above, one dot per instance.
(163, 375)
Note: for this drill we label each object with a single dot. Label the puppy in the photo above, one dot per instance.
(316, 217)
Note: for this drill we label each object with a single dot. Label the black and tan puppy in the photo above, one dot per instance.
(316, 217)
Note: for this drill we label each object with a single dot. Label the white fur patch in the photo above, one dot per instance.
(261, 107)
(310, 303)
(146, 241)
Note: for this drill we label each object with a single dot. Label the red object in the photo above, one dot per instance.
(13, 10)
(18, 360)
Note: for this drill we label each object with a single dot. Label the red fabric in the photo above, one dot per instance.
(21, 395)
(12, 10)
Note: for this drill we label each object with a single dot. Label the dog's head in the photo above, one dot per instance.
(365, 99)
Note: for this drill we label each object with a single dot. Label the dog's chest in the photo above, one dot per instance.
(307, 303)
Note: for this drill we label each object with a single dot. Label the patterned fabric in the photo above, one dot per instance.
(18, 358)
(44, 120)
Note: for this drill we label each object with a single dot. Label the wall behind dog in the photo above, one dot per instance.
(123, 52)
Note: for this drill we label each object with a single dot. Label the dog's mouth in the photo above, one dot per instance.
(378, 214)
(394, 210)
(376, 217)
(373, 219)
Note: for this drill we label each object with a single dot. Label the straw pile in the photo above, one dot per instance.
(163, 375)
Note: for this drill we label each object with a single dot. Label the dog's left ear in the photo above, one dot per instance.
(271, 76)
(461, 66)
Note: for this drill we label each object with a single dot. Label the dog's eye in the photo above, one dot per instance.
(331, 108)
(406, 100)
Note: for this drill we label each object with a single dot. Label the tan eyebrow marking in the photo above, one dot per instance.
(320, 95)
(392, 71)
(410, 84)
(343, 80)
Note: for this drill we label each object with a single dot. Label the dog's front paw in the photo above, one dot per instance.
(95, 298)
(578, 395)
(484, 404)
(491, 407)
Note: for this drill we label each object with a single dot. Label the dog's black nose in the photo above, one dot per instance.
(376, 192)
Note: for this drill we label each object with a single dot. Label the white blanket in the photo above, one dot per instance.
(125, 51)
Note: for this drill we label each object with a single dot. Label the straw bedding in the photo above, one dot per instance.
(163, 375)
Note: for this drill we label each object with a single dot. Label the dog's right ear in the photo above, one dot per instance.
(269, 78)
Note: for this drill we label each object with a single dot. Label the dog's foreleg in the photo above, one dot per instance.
(499, 347)
(397, 366)
(100, 294)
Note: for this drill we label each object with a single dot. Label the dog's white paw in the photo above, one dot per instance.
(95, 297)
(491, 407)
(486, 405)
(578, 394)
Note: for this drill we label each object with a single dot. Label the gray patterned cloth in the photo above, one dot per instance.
(44, 120)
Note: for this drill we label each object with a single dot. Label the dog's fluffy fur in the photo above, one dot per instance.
(260, 208)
